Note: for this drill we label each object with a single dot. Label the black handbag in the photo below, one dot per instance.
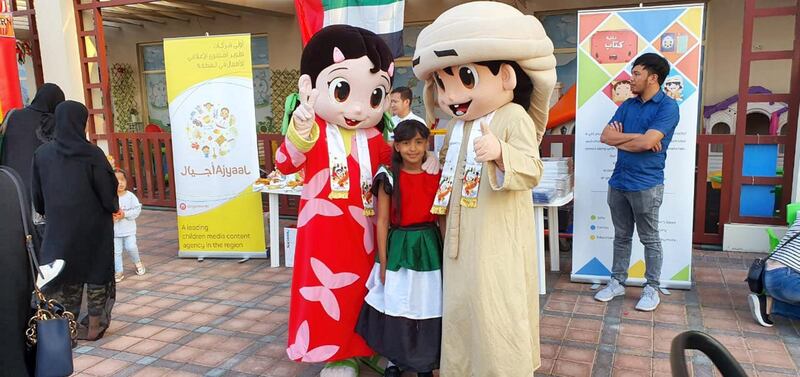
(51, 330)
(755, 274)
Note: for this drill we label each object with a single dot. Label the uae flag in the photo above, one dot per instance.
(383, 17)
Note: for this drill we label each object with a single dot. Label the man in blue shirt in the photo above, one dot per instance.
(641, 130)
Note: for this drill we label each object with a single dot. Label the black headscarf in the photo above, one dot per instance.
(29, 128)
(70, 135)
(47, 98)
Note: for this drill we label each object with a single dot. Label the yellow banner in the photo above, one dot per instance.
(212, 116)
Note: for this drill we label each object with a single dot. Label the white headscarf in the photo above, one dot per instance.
(483, 31)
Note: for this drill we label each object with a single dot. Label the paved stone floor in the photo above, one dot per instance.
(223, 318)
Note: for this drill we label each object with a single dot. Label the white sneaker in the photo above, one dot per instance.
(612, 289)
(119, 277)
(758, 308)
(649, 300)
(48, 272)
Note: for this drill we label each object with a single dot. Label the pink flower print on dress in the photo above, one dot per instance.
(367, 223)
(280, 157)
(298, 158)
(299, 350)
(330, 281)
(316, 206)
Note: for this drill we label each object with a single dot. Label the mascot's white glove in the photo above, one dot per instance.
(431, 164)
(487, 147)
(303, 116)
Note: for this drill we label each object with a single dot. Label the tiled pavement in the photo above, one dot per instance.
(223, 318)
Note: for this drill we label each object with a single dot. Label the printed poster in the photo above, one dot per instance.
(609, 41)
(212, 113)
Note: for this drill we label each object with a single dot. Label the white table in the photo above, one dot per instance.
(274, 221)
(552, 215)
(552, 221)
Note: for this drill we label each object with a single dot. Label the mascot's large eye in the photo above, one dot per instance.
(468, 76)
(377, 97)
(339, 89)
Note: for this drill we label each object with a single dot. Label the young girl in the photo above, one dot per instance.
(402, 318)
(125, 227)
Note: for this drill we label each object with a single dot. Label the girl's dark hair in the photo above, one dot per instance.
(405, 130)
(353, 42)
(524, 89)
(120, 171)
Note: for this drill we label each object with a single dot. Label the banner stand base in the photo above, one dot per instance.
(633, 282)
(242, 256)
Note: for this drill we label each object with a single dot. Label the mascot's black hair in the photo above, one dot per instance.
(353, 42)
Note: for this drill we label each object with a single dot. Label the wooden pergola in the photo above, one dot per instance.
(147, 157)
(24, 18)
(92, 16)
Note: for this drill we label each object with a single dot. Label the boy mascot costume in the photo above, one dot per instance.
(335, 135)
(493, 71)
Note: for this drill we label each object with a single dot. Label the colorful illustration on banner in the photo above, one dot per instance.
(212, 131)
(614, 46)
(683, 275)
(677, 86)
(674, 43)
(619, 89)
(673, 87)
(637, 270)
(594, 267)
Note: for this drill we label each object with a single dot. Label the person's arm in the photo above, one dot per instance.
(650, 141)
(613, 135)
(136, 208)
(519, 166)
(105, 186)
(664, 123)
(384, 210)
(291, 155)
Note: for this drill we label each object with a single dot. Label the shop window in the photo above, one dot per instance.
(154, 82)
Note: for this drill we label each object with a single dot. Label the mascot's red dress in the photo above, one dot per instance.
(350, 70)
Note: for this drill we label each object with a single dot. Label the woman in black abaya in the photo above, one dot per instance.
(75, 188)
(29, 128)
(16, 280)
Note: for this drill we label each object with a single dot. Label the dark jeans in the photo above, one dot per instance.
(638, 208)
(783, 285)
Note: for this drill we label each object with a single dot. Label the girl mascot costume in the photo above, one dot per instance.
(335, 135)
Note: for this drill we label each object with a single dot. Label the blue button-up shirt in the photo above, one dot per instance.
(644, 170)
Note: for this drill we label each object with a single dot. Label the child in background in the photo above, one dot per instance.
(125, 228)
(402, 316)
